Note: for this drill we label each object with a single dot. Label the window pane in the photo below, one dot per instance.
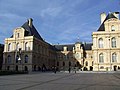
(26, 59)
(101, 58)
(114, 57)
(9, 59)
(100, 42)
(9, 47)
(113, 41)
(112, 28)
(17, 59)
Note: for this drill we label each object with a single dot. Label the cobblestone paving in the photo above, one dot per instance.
(61, 81)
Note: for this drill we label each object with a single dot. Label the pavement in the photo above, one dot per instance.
(61, 81)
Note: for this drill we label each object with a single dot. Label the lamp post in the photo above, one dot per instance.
(19, 59)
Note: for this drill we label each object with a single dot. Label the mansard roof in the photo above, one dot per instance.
(1, 45)
(69, 47)
(31, 30)
(87, 46)
(109, 16)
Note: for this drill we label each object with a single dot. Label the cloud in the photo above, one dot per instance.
(51, 11)
(56, 20)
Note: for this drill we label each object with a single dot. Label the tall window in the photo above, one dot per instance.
(101, 58)
(18, 46)
(26, 58)
(17, 58)
(26, 46)
(18, 35)
(112, 28)
(100, 43)
(9, 59)
(114, 57)
(9, 46)
(86, 63)
(113, 42)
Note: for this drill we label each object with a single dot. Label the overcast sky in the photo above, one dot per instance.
(57, 21)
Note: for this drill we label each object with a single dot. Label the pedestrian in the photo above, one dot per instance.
(69, 69)
(55, 69)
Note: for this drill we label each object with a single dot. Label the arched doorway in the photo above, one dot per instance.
(115, 68)
(26, 68)
(91, 68)
(16, 68)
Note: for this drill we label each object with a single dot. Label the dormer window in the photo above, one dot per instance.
(112, 28)
(18, 35)
(65, 48)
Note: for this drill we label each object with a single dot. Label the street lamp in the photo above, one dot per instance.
(19, 59)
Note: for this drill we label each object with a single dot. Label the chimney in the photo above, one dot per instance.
(116, 14)
(30, 22)
(103, 16)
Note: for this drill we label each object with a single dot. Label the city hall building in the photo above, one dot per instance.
(26, 50)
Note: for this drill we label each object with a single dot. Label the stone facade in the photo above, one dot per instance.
(74, 56)
(106, 44)
(26, 50)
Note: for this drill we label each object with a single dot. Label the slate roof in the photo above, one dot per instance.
(87, 46)
(60, 47)
(31, 31)
(102, 27)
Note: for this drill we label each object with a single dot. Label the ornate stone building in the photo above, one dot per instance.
(74, 56)
(106, 43)
(26, 50)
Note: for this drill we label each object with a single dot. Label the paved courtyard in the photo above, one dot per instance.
(61, 81)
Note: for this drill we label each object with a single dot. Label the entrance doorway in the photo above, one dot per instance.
(91, 68)
(115, 68)
(26, 68)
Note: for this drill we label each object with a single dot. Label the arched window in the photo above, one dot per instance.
(86, 63)
(26, 46)
(17, 58)
(9, 47)
(9, 59)
(100, 43)
(112, 28)
(26, 68)
(26, 58)
(101, 58)
(113, 42)
(114, 57)
(18, 46)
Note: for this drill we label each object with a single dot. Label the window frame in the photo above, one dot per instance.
(113, 42)
(101, 58)
(100, 43)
